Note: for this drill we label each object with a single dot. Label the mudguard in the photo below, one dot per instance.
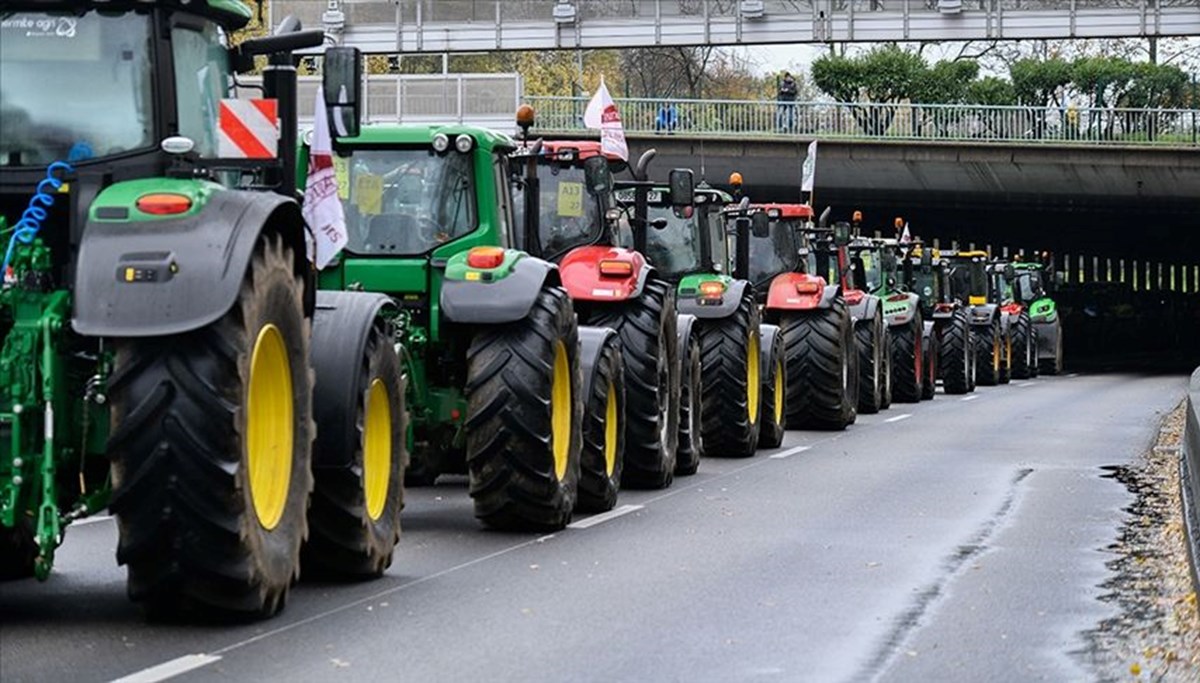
(864, 309)
(900, 308)
(724, 307)
(580, 274)
(982, 315)
(592, 341)
(341, 325)
(783, 294)
(175, 275)
(1047, 339)
(504, 300)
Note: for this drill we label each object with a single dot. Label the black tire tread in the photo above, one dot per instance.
(728, 429)
(907, 385)
(818, 345)
(598, 490)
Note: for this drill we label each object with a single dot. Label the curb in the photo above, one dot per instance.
(1189, 476)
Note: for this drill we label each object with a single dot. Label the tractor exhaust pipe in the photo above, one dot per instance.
(643, 164)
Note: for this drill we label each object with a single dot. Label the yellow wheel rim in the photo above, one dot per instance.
(560, 411)
(377, 449)
(610, 432)
(1008, 353)
(269, 425)
(753, 387)
(778, 392)
(996, 354)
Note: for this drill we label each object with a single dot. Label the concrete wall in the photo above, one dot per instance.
(1190, 481)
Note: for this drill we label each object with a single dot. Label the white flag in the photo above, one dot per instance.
(602, 113)
(809, 171)
(322, 208)
(905, 237)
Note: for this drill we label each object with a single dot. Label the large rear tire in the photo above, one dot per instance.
(603, 452)
(524, 417)
(820, 366)
(354, 518)
(872, 364)
(1022, 336)
(649, 346)
(211, 443)
(956, 354)
(730, 356)
(908, 361)
(774, 396)
(988, 348)
(691, 392)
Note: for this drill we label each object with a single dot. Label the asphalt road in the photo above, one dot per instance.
(952, 540)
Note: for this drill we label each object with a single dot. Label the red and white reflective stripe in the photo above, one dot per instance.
(249, 129)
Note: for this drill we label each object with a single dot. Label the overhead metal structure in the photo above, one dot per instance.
(440, 26)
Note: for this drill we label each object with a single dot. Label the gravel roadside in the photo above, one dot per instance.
(1156, 636)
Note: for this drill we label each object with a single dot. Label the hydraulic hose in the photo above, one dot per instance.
(27, 228)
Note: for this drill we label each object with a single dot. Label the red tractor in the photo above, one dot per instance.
(805, 297)
(563, 198)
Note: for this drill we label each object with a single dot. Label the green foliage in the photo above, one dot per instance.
(1037, 82)
(884, 74)
(1157, 85)
(946, 82)
(991, 91)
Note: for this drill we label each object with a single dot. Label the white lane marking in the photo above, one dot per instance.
(1073, 374)
(93, 520)
(790, 452)
(1024, 384)
(604, 517)
(970, 398)
(905, 416)
(171, 669)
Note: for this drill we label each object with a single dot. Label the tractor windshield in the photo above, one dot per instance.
(927, 286)
(405, 201)
(777, 253)
(675, 249)
(73, 87)
(872, 269)
(568, 216)
(1027, 286)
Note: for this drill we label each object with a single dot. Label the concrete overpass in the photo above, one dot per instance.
(437, 26)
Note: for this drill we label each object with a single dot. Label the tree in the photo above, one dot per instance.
(884, 75)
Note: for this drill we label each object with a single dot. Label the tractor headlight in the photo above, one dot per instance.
(441, 143)
(464, 143)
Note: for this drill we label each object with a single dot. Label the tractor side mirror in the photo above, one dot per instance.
(598, 175)
(841, 233)
(1009, 271)
(342, 83)
(760, 225)
(682, 187)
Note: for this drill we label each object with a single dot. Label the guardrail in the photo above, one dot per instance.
(905, 121)
(1189, 480)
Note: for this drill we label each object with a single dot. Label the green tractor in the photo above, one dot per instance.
(971, 284)
(568, 215)
(499, 368)
(164, 352)
(680, 226)
(876, 263)
(1033, 286)
(949, 341)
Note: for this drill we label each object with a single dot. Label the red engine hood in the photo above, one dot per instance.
(580, 272)
(796, 291)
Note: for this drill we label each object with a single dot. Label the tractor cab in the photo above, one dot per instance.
(678, 226)
(562, 196)
(969, 280)
(926, 274)
(783, 246)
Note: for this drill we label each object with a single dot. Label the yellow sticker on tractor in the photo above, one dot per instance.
(368, 194)
(341, 171)
(570, 199)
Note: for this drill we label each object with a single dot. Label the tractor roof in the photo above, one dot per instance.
(395, 134)
(786, 210)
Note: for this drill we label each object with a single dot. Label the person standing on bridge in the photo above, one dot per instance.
(786, 108)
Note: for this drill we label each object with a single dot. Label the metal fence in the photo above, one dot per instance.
(482, 99)
(905, 121)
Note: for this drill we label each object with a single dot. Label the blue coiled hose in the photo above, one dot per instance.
(27, 228)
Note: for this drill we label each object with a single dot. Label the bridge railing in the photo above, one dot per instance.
(904, 121)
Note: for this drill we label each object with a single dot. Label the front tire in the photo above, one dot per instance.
(988, 346)
(1022, 347)
(872, 365)
(354, 519)
(774, 396)
(956, 354)
(603, 452)
(691, 432)
(211, 444)
(524, 416)
(908, 361)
